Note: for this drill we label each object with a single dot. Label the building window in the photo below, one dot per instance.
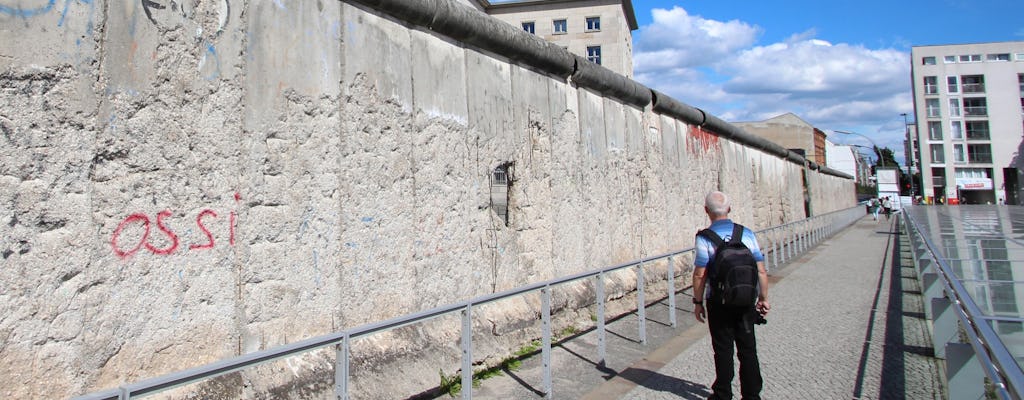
(1020, 82)
(959, 155)
(970, 58)
(954, 107)
(561, 26)
(931, 85)
(998, 57)
(928, 61)
(594, 54)
(938, 156)
(952, 84)
(949, 59)
(593, 24)
(932, 108)
(973, 83)
(979, 153)
(938, 177)
(934, 130)
(977, 130)
(1019, 56)
(530, 27)
(956, 130)
(975, 107)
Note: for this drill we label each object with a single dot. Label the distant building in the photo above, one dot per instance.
(968, 103)
(598, 30)
(846, 159)
(791, 132)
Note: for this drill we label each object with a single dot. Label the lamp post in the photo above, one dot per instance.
(863, 159)
(873, 144)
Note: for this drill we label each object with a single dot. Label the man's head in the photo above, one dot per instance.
(716, 204)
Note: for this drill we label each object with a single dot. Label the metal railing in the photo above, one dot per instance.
(780, 244)
(993, 356)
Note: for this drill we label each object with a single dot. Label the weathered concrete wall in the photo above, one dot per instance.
(185, 183)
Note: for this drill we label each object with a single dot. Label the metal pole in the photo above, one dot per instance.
(641, 310)
(599, 288)
(341, 369)
(775, 249)
(546, 349)
(467, 352)
(671, 292)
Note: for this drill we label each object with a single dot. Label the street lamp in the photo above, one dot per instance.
(875, 146)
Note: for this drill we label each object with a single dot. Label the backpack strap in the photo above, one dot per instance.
(737, 234)
(712, 236)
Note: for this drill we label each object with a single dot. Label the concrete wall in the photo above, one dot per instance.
(181, 185)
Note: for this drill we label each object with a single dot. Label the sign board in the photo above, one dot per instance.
(974, 183)
(887, 180)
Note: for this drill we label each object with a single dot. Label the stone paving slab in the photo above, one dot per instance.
(845, 323)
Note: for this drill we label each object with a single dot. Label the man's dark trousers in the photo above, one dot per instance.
(728, 326)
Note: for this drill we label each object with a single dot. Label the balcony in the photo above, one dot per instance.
(974, 87)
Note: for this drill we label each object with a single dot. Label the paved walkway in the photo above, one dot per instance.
(845, 323)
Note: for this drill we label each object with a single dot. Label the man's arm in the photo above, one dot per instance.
(698, 293)
(762, 297)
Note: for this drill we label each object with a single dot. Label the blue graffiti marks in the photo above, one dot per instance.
(26, 12)
(211, 53)
(64, 13)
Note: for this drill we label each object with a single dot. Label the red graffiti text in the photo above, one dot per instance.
(203, 220)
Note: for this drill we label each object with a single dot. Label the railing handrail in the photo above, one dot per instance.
(208, 371)
(997, 361)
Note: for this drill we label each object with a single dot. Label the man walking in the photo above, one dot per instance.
(729, 325)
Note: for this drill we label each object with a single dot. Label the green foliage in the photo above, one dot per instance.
(450, 385)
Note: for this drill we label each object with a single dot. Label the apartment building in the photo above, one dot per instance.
(599, 30)
(969, 103)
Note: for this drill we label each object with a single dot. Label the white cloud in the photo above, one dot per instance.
(720, 67)
(677, 39)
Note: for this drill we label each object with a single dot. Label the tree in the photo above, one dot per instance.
(886, 158)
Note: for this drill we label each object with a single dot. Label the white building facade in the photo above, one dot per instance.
(968, 103)
(598, 30)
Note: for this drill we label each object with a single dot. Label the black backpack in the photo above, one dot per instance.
(735, 278)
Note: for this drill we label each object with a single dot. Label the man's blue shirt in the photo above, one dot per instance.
(706, 250)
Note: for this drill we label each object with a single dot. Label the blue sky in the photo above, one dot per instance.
(838, 65)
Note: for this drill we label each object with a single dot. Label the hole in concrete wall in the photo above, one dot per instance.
(501, 185)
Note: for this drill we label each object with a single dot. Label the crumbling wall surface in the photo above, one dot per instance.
(186, 182)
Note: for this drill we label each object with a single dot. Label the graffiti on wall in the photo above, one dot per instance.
(702, 139)
(140, 222)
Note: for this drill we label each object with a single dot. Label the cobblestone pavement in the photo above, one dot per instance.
(846, 323)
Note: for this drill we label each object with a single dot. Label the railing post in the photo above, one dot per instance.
(467, 352)
(599, 288)
(641, 310)
(785, 244)
(775, 248)
(546, 349)
(803, 236)
(671, 291)
(963, 372)
(341, 369)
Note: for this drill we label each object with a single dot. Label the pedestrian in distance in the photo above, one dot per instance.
(887, 207)
(730, 292)
(874, 205)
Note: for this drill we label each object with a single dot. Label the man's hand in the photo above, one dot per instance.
(762, 307)
(698, 311)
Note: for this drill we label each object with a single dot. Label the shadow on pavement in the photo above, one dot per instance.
(663, 383)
